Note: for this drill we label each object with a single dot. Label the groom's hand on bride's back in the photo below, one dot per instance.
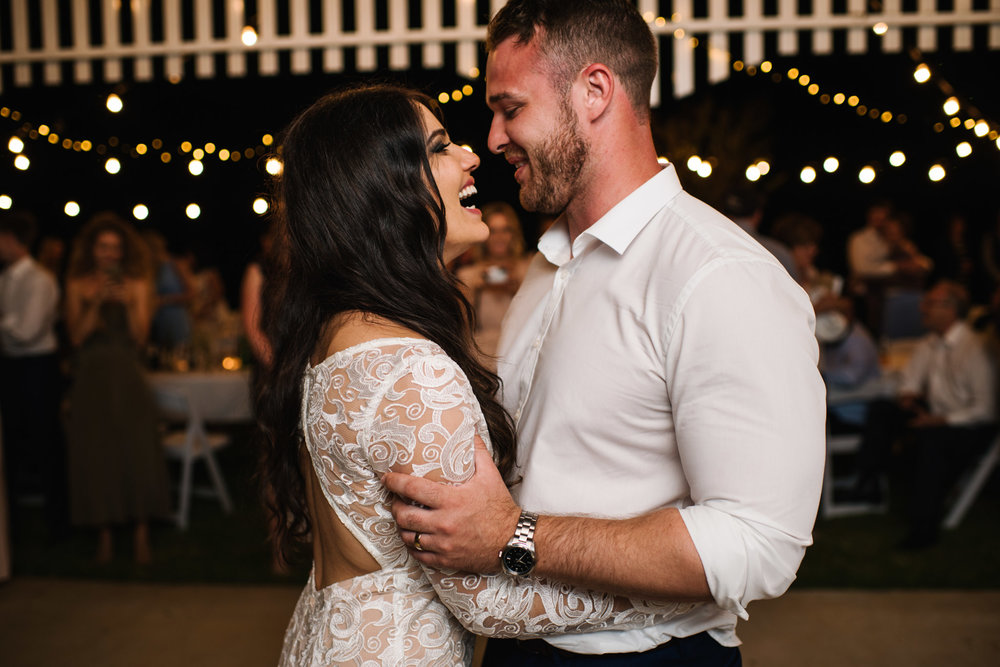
(463, 526)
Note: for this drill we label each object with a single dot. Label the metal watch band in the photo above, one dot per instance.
(525, 531)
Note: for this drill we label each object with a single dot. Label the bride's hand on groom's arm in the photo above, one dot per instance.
(463, 526)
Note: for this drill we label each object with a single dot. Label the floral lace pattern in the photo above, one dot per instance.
(404, 405)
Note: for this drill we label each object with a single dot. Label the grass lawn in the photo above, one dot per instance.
(849, 552)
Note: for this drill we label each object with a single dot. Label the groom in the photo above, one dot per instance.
(660, 366)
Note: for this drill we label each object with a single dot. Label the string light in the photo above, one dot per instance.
(807, 175)
(248, 36)
(114, 103)
(756, 171)
(72, 209)
(22, 162)
(140, 212)
(192, 211)
(936, 173)
(6, 202)
(964, 149)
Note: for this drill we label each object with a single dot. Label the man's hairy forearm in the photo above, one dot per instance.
(649, 557)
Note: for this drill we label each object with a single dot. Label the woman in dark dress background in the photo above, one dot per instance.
(117, 470)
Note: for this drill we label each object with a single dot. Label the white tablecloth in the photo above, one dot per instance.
(220, 396)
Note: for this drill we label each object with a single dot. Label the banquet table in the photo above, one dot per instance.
(219, 396)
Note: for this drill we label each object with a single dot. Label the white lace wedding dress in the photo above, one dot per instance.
(402, 404)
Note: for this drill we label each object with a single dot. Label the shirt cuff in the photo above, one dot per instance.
(743, 560)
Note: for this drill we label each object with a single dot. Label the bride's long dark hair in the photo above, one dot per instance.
(360, 228)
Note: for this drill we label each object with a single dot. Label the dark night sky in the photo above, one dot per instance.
(735, 121)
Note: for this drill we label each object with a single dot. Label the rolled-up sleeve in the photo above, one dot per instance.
(749, 408)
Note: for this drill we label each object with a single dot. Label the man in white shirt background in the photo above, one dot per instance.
(659, 363)
(945, 411)
(30, 381)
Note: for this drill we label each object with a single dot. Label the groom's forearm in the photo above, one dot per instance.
(650, 556)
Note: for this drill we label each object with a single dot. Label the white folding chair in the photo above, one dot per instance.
(843, 446)
(188, 445)
(971, 484)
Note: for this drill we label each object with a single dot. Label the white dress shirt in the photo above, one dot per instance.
(667, 359)
(956, 374)
(29, 298)
(868, 254)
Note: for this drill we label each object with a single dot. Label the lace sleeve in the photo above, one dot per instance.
(425, 425)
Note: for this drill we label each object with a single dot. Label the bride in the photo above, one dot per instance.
(375, 370)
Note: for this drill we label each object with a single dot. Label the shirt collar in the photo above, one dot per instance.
(955, 334)
(618, 227)
(18, 267)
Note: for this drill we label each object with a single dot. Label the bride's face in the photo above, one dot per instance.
(452, 168)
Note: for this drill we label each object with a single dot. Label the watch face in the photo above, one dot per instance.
(518, 560)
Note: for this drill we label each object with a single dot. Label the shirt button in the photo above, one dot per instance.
(517, 415)
(537, 344)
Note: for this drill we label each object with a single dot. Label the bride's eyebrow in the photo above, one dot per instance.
(436, 134)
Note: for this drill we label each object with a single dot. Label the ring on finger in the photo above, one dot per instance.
(416, 542)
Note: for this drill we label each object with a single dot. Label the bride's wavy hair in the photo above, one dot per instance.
(360, 227)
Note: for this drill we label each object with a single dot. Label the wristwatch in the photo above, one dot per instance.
(518, 557)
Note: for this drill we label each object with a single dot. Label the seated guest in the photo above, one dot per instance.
(848, 354)
(848, 359)
(945, 408)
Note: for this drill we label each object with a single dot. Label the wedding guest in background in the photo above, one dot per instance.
(848, 353)
(945, 411)
(800, 236)
(171, 327)
(117, 468)
(848, 359)
(869, 264)
(912, 266)
(30, 380)
(954, 256)
(251, 287)
(52, 255)
(215, 327)
(490, 282)
(746, 209)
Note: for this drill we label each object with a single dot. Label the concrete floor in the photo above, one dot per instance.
(45, 622)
